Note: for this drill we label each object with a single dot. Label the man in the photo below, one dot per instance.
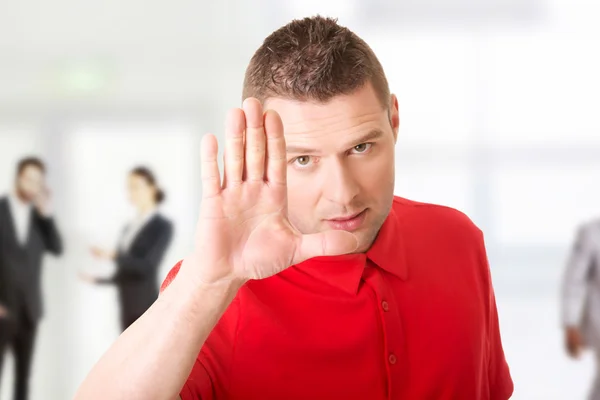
(581, 297)
(408, 314)
(27, 231)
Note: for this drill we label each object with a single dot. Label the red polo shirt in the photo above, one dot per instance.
(413, 318)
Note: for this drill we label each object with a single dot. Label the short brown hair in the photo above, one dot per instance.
(313, 59)
(30, 162)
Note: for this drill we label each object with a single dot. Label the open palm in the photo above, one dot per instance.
(243, 230)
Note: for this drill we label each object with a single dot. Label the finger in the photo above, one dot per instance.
(224, 181)
(276, 154)
(234, 146)
(254, 161)
(211, 180)
(328, 243)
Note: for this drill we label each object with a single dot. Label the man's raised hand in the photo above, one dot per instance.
(243, 231)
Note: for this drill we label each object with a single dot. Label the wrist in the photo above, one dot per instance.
(196, 287)
(190, 283)
(209, 277)
(200, 302)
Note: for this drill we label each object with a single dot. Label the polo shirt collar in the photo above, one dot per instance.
(388, 251)
(345, 271)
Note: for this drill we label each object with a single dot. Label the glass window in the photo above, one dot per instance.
(543, 90)
(444, 185)
(436, 104)
(535, 205)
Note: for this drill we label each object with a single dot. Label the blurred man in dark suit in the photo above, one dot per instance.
(27, 231)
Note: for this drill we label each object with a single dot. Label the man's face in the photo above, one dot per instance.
(340, 162)
(30, 183)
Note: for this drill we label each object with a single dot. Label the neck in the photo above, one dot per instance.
(146, 209)
(21, 197)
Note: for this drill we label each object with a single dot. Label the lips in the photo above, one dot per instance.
(347, 223)
(349, 217)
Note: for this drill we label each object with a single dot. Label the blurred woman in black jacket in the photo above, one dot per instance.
(140, 250)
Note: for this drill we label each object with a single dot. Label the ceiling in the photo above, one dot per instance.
(177, 53)
(123, 52)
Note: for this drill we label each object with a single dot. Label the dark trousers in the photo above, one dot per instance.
(18, 333)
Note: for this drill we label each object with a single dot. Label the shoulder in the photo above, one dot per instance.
(425, 217)
(163, 222)
(589, 229)
(441, 241)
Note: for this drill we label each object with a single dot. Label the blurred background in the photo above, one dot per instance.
(499, 105)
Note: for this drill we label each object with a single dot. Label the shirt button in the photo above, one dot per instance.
(392, 359)
(385, 306)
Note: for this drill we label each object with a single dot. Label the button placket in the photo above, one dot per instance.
(391, 323)
(392, 359)
(385, 306)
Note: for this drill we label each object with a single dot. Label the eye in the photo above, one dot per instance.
(361, 148)
(302, 161)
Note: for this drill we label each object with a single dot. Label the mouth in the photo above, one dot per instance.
(349, 222)
(346, 218)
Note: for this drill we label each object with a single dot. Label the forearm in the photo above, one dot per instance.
(51, 235)
(134, 266)
(576, 279)
(106, 281)
(153, 358)
(572, 312)
(574, 295)
(137, 267)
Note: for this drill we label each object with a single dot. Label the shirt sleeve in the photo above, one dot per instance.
(576, 279)
(501, 384)
(499, 380)
(198, 385)
(210, 376)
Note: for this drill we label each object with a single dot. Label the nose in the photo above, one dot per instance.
(340, 185)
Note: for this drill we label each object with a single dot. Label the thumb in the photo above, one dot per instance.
(328, 243)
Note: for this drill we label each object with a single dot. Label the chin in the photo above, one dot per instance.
(365, 240)
(28, 197)
(367, 236)
(364, 247)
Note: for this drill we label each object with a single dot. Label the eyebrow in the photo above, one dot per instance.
(371, 135)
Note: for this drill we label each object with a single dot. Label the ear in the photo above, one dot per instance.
(394, 116)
